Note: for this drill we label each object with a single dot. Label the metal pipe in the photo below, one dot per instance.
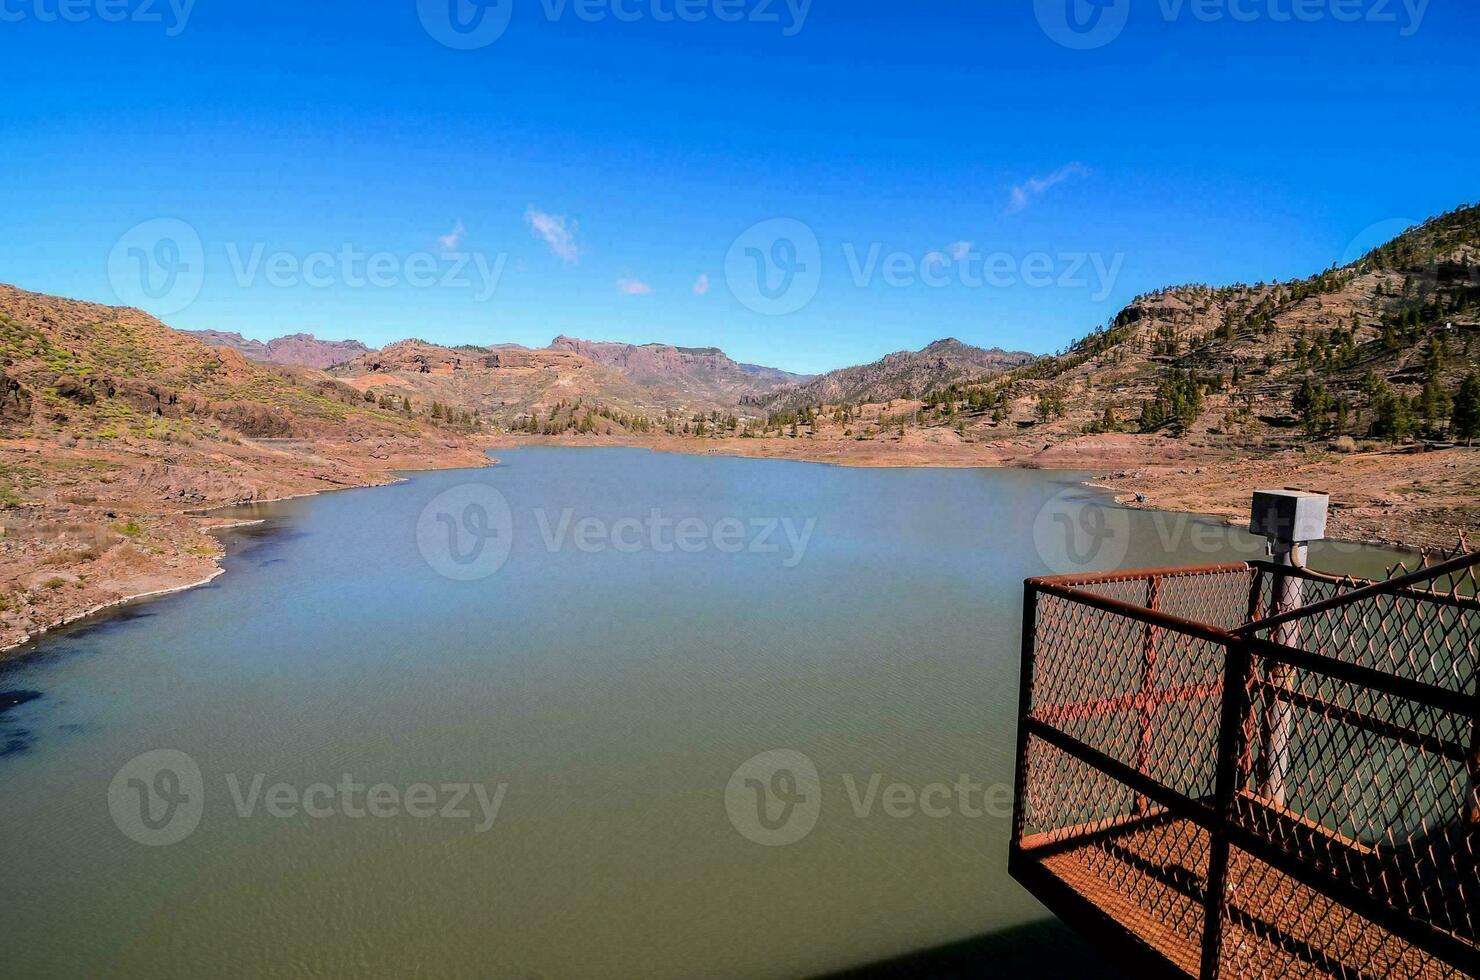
(1279, 722)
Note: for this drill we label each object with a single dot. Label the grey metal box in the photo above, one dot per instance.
(1290, 516)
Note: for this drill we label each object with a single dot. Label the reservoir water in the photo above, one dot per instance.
(525, 722)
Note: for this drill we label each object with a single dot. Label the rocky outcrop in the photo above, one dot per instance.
(15, 400)
(153, 399)
(308, 351)
(299, 349)
(666, 364)
(508, 359)
(407, 356)
(76, 390)
(254, 420)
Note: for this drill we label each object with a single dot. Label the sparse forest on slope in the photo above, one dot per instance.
(573, 385)
(1192, 395)
(904, 374)
(1385, 348)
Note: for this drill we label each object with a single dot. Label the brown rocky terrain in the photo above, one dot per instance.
(1399, 497)
(903, 374)
(1388, 496)
(1377, 349)
(299, 349)
(707, 373)
(498, 383)
(1192, 396)
(116, 431)
(508, 384)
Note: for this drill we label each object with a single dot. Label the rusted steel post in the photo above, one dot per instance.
(1236, 667)
(1289, 519)
(1148, 705)
(1278, 724)
(1245, 755)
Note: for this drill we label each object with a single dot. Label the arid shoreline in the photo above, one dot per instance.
(1395, 499)
(104, 527)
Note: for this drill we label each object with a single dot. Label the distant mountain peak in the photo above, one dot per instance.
(705, 371)
(904, 374)
(302, 349)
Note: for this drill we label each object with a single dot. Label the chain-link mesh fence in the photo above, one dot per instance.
(1257, 770)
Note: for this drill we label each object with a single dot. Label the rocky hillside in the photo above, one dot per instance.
(905, 374)
(116, 432)
(705, 372)
(508, 384)
(499, 383)
(83, 371)
(1378, 349)
(300, 349)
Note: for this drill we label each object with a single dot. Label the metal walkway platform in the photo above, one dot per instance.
(1255, 769)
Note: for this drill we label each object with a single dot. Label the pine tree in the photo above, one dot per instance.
(1393, 421)
(1466, 418)
(1434, 403)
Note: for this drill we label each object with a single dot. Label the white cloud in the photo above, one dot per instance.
(633, 287)
(453, 238)
(1029, 190)
(701, 285)
(557, 231)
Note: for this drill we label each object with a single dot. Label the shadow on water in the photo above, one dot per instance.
(106, 619)
(254, 544)
(1046, 949)
(13, 738)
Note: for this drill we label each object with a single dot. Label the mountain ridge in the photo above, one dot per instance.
(301, 349)
(901, 374)
(117, 431)
(708, 370)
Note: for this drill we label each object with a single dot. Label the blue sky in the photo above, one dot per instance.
(602, 166)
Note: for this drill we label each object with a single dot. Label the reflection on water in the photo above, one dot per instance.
(603, 700)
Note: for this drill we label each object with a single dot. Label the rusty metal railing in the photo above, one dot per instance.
(1216, 782)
